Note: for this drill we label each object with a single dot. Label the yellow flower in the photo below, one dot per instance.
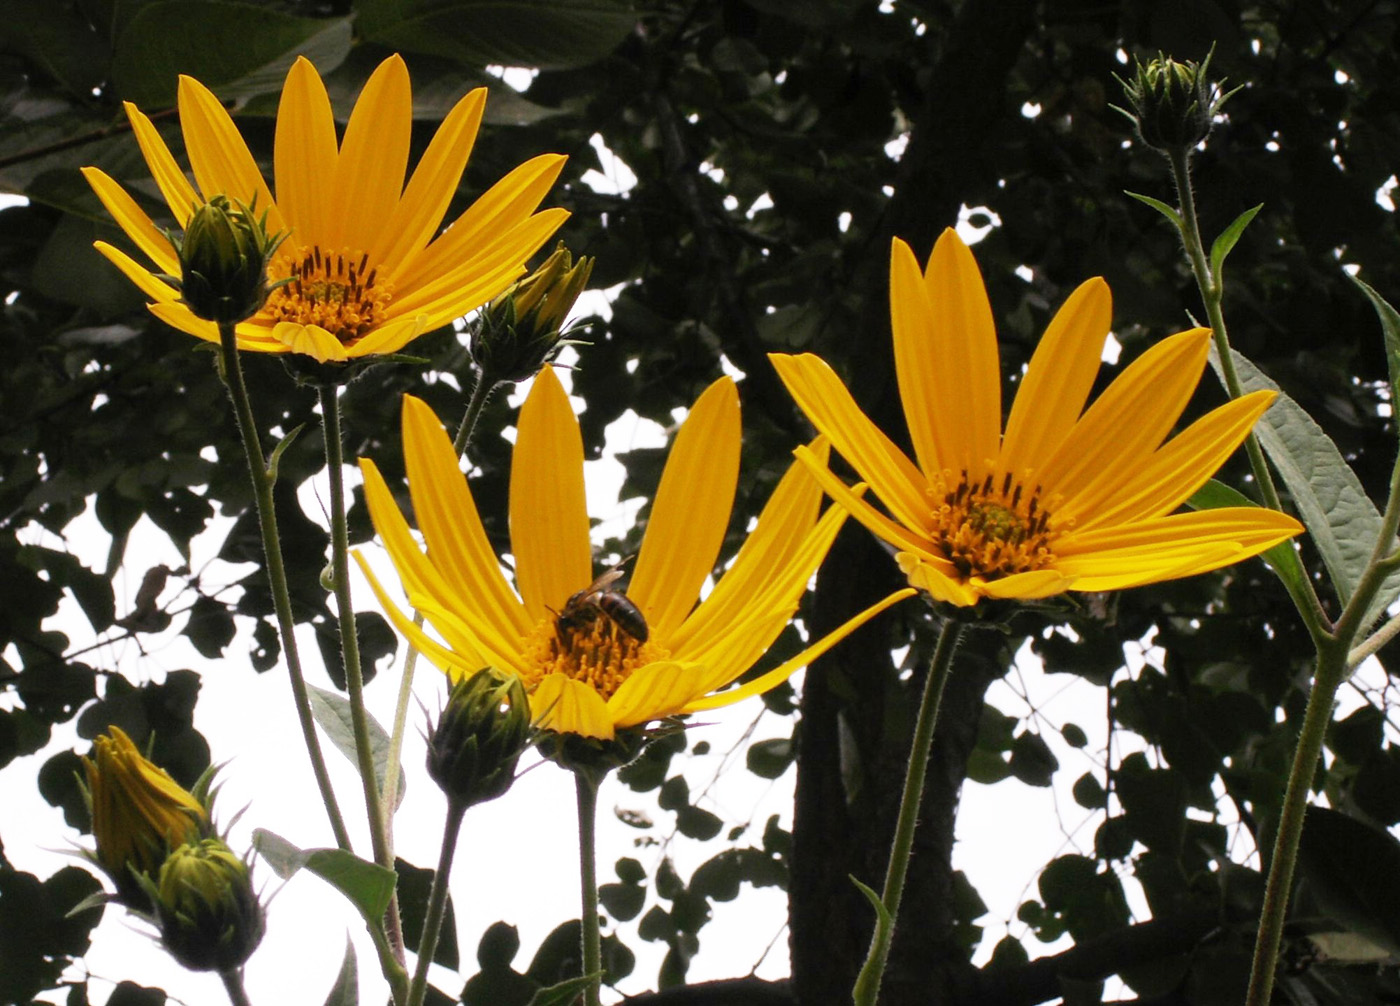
(1067, 498)
(366, 275)
(139, 813)
(595, 664)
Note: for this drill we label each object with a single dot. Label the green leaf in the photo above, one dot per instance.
(346, 990)
(534, 33)
(563, 993)
(415, 888)
(1282, 558)
(771, 758)
(1228, 238)
(1157, 205)
(1032, 760)
(882, 914)
(165, 39)
(1390, 328)
(332, 712)
(368, 886)
(1343, 522)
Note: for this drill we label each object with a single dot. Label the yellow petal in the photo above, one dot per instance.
(1059, 378)
(1130, 419)
(548, 511)
(447, 515)
(655, 691)
(874, 520)
(785, 670)
(765, 555)
(958, 357)
(304, 153)
(690, 512)
(179, 194)
(503, 206)
(1028, 586)
(312, 340)
(156, 289)
(373, 158)
(1175, 471)
(433, 184)
(134, 221)
(821, 395)
(450, 661)
(389, 338)
(566, 706)
(220, 158)
(935, 582)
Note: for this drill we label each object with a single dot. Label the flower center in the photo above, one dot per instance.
(588, 646)
(989, 530)
(336, 292)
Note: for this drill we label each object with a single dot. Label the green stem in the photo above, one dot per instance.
(350, 649)
(437, 902)
(586, 786)
(476, 402)
(867, 987)
(1332, 668)
(233, 984)
(1212, 290)
(262, 476)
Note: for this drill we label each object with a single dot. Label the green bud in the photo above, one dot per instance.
(208, 915)
(224, 256)
(522, 329)
(1172, 105)
(479, 737)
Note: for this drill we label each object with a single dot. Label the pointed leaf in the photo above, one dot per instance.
(1227, 239)
(368, 886)
(346, 990)
(1157, 205)
(332, 712)
(1390, 327)
(882, 914)
(1282, 558)
(1342, 521)
(563, 993)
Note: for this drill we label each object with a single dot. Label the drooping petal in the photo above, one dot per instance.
(305, 154)
(655, 691)
(568, 706)
(389, 337)
(448, 518)
(690, 512)
(1028, 586)
(132, 219)
(373, 158)
(821, 395)
(1060, 376)
(1130, 419)
(959, 357)
(220, 158)
(434, 182)
(311, 340)
(939, 584)
(548, 513)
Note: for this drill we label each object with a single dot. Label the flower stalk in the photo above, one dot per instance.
(350, 651)
(233, 984)
(437, 901)
(231, 371)
(867, 987)
(586, 788)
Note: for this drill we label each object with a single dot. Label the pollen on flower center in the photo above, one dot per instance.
(594, 650)
(989, 530)
(338, 291)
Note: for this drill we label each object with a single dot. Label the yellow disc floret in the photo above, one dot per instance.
(596, 651)
(991, 530)
(339, 292)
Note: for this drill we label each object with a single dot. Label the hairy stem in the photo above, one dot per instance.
(437, 902)
(232, 373)
(233, 984)
(867, 987)
(586, 787)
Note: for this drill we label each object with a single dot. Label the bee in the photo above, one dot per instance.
(598, 600)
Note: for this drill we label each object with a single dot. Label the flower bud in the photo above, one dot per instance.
(224, 256)
(479, 737)
(521, 330)
(1172, 105)
(208, 914)
(139, 813)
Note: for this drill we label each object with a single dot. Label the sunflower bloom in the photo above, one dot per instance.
(364, 273)
(595, 660)
(139, 813)
(1066, 498)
